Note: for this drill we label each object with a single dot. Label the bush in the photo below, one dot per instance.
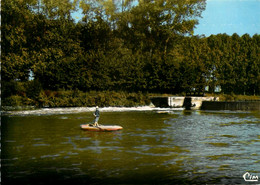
(13, 100)
(13, 88)
(233, 97)
(33, 89)
(62, 98)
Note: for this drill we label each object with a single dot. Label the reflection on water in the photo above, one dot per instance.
(163, 147)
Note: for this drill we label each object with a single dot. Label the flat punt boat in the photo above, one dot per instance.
(100, 128)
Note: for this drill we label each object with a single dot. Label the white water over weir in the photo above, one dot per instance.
(71, 110)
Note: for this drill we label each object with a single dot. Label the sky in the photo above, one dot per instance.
(226, 16)
(230, 16)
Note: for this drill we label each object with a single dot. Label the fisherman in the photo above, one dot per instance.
(96, 114)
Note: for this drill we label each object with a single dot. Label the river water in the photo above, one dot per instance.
(156, 146)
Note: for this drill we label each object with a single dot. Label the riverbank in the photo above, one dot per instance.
(75, 98)
(234, 97)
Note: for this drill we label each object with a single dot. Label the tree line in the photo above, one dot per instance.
(131, 46)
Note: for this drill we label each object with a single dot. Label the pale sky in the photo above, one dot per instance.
(230, 16)
(226, 16)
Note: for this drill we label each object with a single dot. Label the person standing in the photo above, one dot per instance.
(96, 114)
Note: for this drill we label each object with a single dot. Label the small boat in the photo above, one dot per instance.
(100, 128)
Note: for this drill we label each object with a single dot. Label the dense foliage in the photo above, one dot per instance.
(120, 46)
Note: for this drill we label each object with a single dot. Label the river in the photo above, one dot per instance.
(156, 146)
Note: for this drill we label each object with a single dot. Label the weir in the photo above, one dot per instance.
(237, 105)
(204, 103)
(189, 102)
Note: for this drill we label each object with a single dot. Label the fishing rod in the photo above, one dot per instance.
(90, 110)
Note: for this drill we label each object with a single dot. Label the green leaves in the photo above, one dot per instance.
(125, 45)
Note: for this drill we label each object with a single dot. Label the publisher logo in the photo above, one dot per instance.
(250, 178)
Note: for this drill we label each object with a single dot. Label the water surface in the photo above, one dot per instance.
(155, 147)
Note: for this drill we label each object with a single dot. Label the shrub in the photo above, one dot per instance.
(13, 100)
(33, 89)
(62, 98)
(12, 88)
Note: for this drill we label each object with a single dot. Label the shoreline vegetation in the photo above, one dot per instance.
(77, 98)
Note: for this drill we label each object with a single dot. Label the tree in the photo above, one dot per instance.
(15, 57)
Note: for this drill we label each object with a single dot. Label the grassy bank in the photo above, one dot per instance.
(76, 98)
(234, 97)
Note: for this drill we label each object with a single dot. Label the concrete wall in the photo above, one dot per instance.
(197, 101)
(204, 103)
(160, 101)
(181, 101)
(222, 105)
(176, 101)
